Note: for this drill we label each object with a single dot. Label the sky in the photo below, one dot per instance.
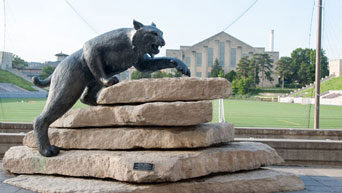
(38, 29)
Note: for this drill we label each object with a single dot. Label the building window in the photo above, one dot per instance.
(198, 59)
(208, 75)
(244, 54)
(221, 54)
(187, 61)
(233, 57)
(210, 56)
(198, 74)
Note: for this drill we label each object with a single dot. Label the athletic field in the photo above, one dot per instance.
(239, 112)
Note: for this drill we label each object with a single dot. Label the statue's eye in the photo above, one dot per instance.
(154, 33)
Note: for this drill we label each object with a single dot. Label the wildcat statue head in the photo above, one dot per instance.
(147, 39)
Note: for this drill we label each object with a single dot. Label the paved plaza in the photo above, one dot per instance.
(317, 179)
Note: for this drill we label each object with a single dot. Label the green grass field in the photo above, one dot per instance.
(245, 113)
(239, 112)
(23, 110)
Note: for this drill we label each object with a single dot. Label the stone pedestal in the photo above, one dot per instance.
(149, 136)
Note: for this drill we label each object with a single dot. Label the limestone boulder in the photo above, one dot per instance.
(147, 114)
(202, 135)
(261, 181)
(165, 89)
(143, 166)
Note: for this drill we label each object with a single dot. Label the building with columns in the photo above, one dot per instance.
(227, 49)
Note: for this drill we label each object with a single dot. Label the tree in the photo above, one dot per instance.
(254, 72)
(47, 71)
(283, 68)
(177, 74)
(241, 86)
(243, 67)
(138, 75)
(157, 74)
(303, 65)
(264, 63)
(230, 76)
(221, 74)
(161, 74)
(18, 63)
(216, 69)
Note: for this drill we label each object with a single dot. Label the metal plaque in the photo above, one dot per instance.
(143, 166)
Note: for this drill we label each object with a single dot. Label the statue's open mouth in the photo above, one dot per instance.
(154, 50)
(155, 47)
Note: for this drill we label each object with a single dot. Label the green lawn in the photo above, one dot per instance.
(23, 110)
(333, 84)
(267, 114)
(8, 77)
(240, 112)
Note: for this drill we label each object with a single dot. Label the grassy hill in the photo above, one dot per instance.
(332, 84)
(8, 77)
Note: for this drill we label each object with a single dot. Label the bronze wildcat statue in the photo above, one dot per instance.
(86, 71)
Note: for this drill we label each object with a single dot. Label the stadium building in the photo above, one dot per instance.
(227, 49)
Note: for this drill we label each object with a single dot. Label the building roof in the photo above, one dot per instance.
(61, 54)
(219, 34)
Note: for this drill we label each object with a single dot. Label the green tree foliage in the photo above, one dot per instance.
(241, 86)
(47, 71)
(303, 65)
(138, 75)
(18, 63)
(283, 68)
(216, 69)
(248, 68)
(264, 63)
(245, 77)
(178, 74)
(254, 72)
(221, 74)
(230, 76)
(243, 67)
(157, 74)
(161, 74)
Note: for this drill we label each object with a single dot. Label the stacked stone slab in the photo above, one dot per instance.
(153, 131)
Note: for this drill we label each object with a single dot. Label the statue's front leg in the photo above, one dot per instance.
(151, 65)
(92, 57)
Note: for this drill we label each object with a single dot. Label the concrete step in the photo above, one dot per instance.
(9, 127)
(304, 152)
(8, 140)
(288, 133)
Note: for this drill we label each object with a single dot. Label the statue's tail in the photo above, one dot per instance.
(41, 83)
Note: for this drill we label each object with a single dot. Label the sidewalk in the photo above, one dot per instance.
(316, 179)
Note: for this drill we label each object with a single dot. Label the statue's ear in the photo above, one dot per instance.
(153, 24)
(137, 25)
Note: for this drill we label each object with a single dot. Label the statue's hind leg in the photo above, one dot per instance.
(41, 125)
(58, 103)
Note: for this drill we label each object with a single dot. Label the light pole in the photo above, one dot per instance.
(318, 65)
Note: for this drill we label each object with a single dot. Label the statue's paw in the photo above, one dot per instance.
(184, 70)
(181, 67)
(49, 151)
(187, 72)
